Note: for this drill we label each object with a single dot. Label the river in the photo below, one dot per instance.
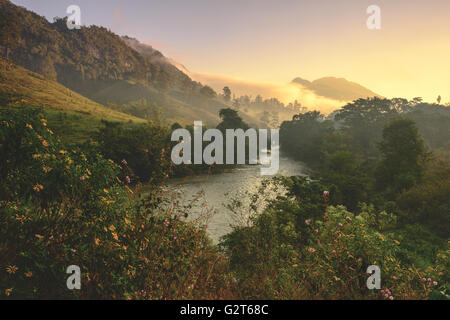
(215, 191)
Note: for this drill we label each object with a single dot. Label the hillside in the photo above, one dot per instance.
(19, 85)
(100, 65)
(336, 88)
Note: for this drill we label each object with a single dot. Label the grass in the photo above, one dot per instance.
(73, 116)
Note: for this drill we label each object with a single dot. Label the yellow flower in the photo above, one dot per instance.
(47, 169)
(45, 143)
(97, 241)
(11, 269)
(39, 236)
(8, 292)
(38, 187)
(63, 152)
(115, 236)
(36, 156)
(128, 222)
(112, 228)
(29, 274)
(29, 126)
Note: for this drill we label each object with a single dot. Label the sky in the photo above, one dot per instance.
(275, 41)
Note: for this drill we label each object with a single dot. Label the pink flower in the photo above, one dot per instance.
(340, 225)
(394, 277)
(382, 291)
(333, 252)
(424, 279)
(391, 298)
(348, 219)
(82, 178)
(316, 231)
(308, 222)
(166, 223)
(127, 179)
(124, 162)
(312, 250)
(435, 283)
(429, 279)
(326, 194)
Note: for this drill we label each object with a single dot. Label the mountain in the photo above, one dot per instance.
(336, 88)
(102, 66)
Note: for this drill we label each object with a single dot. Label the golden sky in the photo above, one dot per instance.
(274, 41)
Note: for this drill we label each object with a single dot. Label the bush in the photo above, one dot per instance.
(63, 207)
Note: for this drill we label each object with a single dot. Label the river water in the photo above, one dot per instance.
(215, 191)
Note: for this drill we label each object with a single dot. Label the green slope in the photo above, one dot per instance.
(68, 109)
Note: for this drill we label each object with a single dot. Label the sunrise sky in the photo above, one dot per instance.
(274, 41)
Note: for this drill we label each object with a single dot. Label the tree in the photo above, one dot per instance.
(226, 94)
(439, 98)
(231, 120)
(208, 92)
(403, 157)
(9, 30)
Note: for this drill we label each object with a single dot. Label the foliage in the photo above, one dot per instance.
(62, 207)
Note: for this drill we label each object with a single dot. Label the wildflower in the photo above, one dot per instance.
(47, 169)
(333, 252)
(429, 279)
(166, 223)
(36, 156)
(115, 236)
(382, 291)
(38, 187)
(127, 179)
(348, 219)
(112, 228)
(174, 238)
(326, 194)
(29, 274)
(435, 283)
(63, 152)
(308, 222)
(8, 292)
(391, 298)
(316, 231)
(394, 277)
(312, 250)
(45, 143)
(73, 250)
(12, 269)
(124, 162)
(97, 241)
(424, 279)
(39, 236)
(340, 225)
(29, 126)
(82, 178)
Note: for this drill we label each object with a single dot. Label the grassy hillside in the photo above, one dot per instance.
(73, 114)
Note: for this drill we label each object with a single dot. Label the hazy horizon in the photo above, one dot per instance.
(269, 43)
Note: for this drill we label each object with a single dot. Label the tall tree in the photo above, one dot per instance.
(403, 157)
(226, 94)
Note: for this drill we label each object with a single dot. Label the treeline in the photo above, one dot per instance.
(379, 151)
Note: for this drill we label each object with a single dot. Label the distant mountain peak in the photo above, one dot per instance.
(336, 88)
